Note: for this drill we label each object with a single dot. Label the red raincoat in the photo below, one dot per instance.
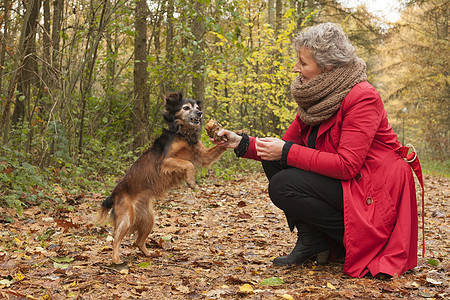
(359, 147)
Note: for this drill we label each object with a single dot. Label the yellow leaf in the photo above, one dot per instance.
(330, 286)
(19, 277)
(311, 273)
(246, 288)
(287, 296)
(46, 297)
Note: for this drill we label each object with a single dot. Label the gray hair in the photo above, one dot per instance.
(328, 44)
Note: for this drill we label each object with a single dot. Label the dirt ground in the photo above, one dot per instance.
(214, 242)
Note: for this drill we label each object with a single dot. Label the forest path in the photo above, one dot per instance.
(216, 242)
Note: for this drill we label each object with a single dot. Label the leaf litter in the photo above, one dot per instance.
(214, 242)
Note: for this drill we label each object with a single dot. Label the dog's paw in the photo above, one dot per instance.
(191, 184)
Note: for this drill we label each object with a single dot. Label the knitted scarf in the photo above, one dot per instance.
(320, 97)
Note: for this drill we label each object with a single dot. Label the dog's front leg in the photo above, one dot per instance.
(210, 155)
(173, 165)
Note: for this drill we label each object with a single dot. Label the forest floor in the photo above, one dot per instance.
(214, 242)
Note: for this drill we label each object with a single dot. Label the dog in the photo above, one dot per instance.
(165, 165)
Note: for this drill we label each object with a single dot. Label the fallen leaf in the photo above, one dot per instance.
(244, 215)
(246, 289)
(145, 264)
(66, 224)
(433, 262)
(330, 286)
(242, 204)
(6, 282)
(272, 281)
(433, 281)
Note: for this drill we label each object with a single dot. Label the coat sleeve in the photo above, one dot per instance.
(362, 111)
(291, 134)
(251, 151)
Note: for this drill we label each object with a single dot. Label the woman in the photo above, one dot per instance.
(338, 173)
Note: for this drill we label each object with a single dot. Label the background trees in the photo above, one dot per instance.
(82, 82)
(416, 76)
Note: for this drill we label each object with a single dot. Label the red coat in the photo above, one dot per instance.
(359, 147)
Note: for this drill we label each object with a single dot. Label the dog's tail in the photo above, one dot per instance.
(107, 204)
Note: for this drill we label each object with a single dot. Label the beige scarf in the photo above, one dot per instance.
(320, 97)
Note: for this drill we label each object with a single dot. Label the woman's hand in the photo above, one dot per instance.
(269, 148)
(232, 141)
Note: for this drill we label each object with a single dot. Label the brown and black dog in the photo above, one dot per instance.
(170, 160)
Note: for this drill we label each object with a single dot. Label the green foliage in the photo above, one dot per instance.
(250, 87)
(436, 167)
(20, 182)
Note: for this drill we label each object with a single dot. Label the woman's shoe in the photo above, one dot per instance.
(310, 243)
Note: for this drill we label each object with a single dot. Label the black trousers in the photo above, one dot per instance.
(307, 197)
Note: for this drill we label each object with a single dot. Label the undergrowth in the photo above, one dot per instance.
(24, 183)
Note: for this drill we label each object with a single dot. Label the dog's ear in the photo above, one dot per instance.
(173, 99)
(171, 103)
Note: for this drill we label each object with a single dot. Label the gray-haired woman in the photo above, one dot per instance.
(338, 173)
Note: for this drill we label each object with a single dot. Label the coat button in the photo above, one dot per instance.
(358, 176)
(369, 201)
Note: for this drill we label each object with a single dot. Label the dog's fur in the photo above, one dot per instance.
(169, 161)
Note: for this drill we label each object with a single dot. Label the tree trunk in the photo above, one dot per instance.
(58, 9)
(27, 74)
(271, 13)
(278, 16)
(4, 38)
(170, 32)
(4, 124)
(141, 91)
(198, 29)
(47, 43)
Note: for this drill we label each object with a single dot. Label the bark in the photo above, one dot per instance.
(278, 16)
(58, 9)
(198, 29)
(47, 43)
(28, 71)
(271, 13)
(141, 91)
(170, 32)
(4, 38)
(4, 124)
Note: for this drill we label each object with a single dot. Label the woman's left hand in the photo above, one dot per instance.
(269, 148)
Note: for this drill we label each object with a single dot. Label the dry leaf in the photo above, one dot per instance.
(246, 289)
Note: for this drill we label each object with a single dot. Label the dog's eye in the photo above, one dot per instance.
(186, 107)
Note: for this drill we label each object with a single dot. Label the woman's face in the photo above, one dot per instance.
(306, 65)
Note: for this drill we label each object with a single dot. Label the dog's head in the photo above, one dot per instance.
(182, 115)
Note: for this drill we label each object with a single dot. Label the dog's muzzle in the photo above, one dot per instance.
(197, 119)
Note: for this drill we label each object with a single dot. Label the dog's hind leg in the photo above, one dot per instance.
(146, 219)
(143, 232)
(122, 228)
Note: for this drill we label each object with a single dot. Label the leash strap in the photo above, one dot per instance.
(413, 161)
